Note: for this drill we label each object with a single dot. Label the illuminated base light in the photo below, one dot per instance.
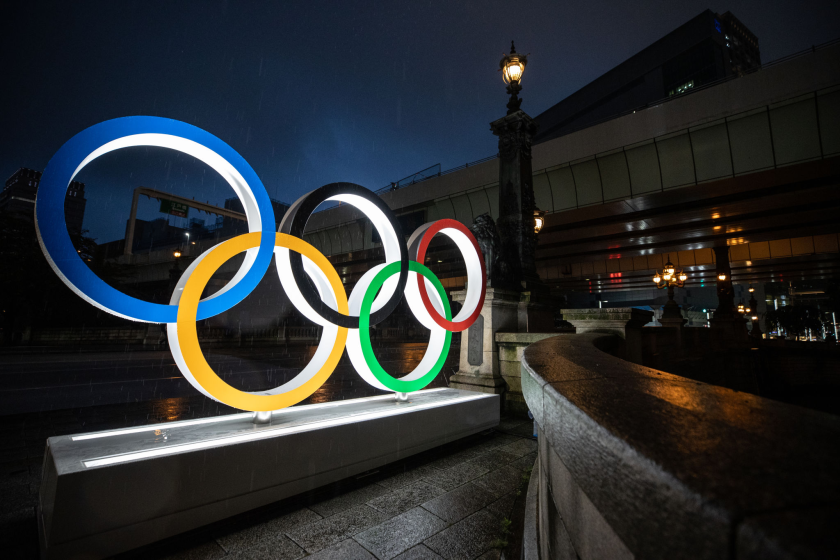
(270, 432)
(230, 417)
(185, 476)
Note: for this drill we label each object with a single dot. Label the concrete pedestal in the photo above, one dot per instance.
(626, 322)
(107, 492)
(479, 364)
(672, 315)
(511, 346)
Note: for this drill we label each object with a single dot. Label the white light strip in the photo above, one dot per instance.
(242, 416)
(271, 432)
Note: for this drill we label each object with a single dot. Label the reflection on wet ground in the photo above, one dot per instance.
(44, 382)
(75, 393)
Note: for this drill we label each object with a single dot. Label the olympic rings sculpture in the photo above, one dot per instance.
(345, 321)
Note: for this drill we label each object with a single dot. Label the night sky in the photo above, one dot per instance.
(315, 92)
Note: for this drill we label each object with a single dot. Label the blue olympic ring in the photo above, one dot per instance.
(93, 142)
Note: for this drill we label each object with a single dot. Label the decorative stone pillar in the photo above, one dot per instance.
(626, 322)
(517, 269)
(671, 313)
(729, 324)
(479, 361)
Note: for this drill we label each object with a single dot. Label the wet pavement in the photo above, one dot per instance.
(449, 502)
(38, 382)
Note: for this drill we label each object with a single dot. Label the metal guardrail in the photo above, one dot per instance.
(400, 185)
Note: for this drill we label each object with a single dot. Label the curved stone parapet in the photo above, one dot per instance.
(638, 463)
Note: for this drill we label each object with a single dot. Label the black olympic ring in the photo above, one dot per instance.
(294, 223)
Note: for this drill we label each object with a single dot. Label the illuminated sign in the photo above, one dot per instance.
(345, 321)
(174, 208)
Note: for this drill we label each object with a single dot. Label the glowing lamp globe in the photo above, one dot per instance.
(657, 279)
(513, 66)
(721, 276)
(539, 220)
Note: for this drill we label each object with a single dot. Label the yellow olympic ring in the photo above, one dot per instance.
(187, 334)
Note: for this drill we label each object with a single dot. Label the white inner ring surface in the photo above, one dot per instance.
(437, 338)
(390, 243)
(325, 346)
(207, 156)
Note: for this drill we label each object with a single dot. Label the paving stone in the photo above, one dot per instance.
(525, 430)
(511, 423)
(500, 440)
(468, 538)
(346, 501)
(457, 458)
(419, 552)
(277, 548)
(454, 477)
(345, 550)
(406, 498)
(494, 554)
(325, 532)
(526, 462)
(493, 459)
(316, 536)
(205, 551)
(400, 533)
(250, 537)
(407, 477)
(521, 447)
(500, 481)
(459, 503)
(503, 506)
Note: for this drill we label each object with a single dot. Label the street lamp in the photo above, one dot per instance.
(512, 67)
(177, 254)
(721, 276)
(670, 278)
(539, 219)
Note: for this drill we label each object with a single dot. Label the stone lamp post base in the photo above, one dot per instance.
(479, 364)
(672, 315)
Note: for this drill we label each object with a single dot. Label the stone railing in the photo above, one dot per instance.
(638, 463)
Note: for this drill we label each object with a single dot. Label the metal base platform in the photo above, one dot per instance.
(108, 492)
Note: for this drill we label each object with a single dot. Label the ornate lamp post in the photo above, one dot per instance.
(516, 300)
(512, 66)
(671, 278)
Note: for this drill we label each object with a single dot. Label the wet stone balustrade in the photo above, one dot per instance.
(636, 462)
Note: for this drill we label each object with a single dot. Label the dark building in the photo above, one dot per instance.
(18, 198)
(705, 49)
